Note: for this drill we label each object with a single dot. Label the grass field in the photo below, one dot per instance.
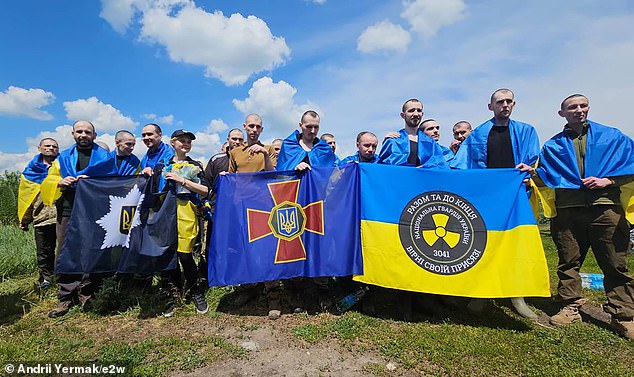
(127, 331)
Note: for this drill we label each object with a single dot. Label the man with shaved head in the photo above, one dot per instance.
(158, 152)
(590, 167)
(431, 128)
(303, 149)
(367, 143)
(461, 130)
(82, 160)
(330, 140)
(32, 210)
(410, 146)
(500, 142)
(220, 161)
(252, 155)
(127, 163)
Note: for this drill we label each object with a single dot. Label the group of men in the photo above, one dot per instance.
(587, 166)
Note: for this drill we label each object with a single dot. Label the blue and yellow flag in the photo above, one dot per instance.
(30, 181)
(459, 233)
(609, 153)
(279, 225)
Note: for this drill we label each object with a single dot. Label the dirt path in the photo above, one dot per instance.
(271, 352)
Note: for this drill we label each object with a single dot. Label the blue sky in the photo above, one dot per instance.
(204, 65)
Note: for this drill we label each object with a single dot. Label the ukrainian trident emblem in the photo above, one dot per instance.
(286, 221)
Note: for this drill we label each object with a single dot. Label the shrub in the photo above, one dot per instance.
(9, 183)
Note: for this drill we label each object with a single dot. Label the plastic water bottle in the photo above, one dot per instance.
(592, 281)
(350, 300)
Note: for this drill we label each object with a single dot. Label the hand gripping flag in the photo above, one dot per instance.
(278, 225)
(463, 233)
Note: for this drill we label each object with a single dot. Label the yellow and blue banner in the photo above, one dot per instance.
(30, 181)
(610, 154)
(279, 225)
(465, 233)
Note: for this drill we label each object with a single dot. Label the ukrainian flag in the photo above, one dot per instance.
(30, 181)
(455, 232)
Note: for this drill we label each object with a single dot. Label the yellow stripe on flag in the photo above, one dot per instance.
(50, 191)
(27, 192)
(505, 269)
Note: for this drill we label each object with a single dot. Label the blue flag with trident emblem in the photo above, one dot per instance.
(279, 225)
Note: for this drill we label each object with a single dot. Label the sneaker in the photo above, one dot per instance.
(567, 315)
(200, 303)
(60, 310)
(45, 284)
(623, 327)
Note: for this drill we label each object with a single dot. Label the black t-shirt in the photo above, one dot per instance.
(65, 202)
(499, 148)
(413, 159)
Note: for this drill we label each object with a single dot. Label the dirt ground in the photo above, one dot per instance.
(271, 352)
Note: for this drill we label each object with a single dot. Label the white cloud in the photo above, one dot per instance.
(26, 102)
(14, 161)
(428, 16)
(383, 36)
(118, 13)
(230, 48)
(62, 134)
(104, 116)
(167, 119)
(217, 125)
(275, 103)
(205, 145)
(318, 2)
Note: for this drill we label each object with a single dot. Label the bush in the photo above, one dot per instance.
(9, 183)
(17, 252)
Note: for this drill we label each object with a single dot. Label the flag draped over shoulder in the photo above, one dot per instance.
(292, 153)
(161, 155)
(105, 229)
(30, 181)
(128, 165)
(395, 151)
(610, 153)
(472, 153)
(278, 225)
(101, 164)
(450, 232)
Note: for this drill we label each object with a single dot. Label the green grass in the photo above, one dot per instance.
(124, 329)
(17, 252)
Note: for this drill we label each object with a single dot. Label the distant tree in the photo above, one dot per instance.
(9, 183)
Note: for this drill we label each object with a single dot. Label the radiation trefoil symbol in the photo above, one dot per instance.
(440, 232)
(286, 221)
